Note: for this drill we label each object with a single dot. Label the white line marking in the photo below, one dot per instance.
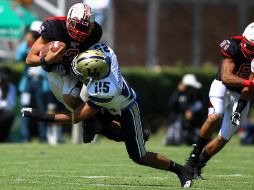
(117, 177)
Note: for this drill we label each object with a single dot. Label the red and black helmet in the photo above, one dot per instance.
(80, 21)
(247, 44)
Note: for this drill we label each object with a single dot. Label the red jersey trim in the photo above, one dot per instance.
(56, 18)
(225, 54)
(237, 37)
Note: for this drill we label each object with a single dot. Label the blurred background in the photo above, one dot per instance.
(157, 43)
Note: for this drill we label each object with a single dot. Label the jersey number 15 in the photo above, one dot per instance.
(102, 87)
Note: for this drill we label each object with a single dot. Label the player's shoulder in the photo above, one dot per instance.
(53, 27)
(230, 47)
(102, 47)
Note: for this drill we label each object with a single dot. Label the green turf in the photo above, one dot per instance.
(107, 166)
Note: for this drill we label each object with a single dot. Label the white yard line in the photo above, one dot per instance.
(123, 177)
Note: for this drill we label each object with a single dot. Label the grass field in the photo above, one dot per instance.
(106, 166)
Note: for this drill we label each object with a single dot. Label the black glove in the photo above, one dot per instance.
(235, 118)
(34, 114)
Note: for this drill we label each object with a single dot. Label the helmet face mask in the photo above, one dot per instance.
(247, 48)
(247, 44)
(91, 64)
(80, 21)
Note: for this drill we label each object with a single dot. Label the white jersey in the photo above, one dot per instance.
(111, 92)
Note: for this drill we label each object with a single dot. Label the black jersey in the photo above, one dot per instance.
(54, 29)
(230, 48)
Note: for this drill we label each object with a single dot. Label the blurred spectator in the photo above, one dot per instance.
(100, 9)
(186, 112)
(7, 103)
(246, 133)
(33, 84)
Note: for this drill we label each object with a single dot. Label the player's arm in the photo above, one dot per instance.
(227, 74)
(83, 112)
(33, 58)
(246, 95)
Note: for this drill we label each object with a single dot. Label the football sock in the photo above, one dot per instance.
(174, 167)
(203, 158)
(201, 142)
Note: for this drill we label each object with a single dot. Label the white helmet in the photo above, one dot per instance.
(80, 21)
(247, 44)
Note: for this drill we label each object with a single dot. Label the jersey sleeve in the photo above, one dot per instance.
(53, 30)
(46, 31)
(228, 48)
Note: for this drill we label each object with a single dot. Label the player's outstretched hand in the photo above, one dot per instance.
(235, 118)
(30, 112)
(34, 114)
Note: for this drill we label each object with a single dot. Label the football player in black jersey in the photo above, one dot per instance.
(226, 92)
(78, 31)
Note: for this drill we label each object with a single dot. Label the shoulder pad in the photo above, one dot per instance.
(53, 29)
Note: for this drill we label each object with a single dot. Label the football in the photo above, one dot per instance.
(55, 46)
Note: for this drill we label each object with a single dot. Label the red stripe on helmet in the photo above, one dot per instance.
(56, 18)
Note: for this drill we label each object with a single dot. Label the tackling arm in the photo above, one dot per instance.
(83, 112)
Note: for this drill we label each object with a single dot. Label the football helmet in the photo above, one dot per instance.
(247, 44)
(80, 21)
(91, 64)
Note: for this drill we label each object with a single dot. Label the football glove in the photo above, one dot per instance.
(34, 114)
(235, 118)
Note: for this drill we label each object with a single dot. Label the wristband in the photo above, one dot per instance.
(240, 105)
(248, 83)
(46, 67)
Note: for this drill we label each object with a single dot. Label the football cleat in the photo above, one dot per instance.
(185, 176)
(147, 134)
(197, 172)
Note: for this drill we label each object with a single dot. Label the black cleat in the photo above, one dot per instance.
(197, 173)
(185, 176)
(147, 134)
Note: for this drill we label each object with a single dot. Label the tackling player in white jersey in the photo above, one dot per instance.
(108, 92)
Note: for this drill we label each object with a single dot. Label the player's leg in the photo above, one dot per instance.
(213, 121)
(226, 132)
(111, 127)
(135, 145)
